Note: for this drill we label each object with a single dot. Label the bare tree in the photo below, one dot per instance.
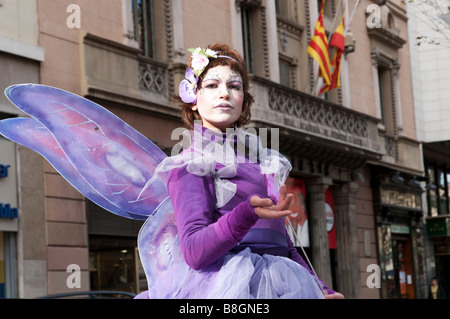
(433, 21)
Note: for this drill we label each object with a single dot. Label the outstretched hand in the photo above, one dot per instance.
(265, 208)
(336, 295)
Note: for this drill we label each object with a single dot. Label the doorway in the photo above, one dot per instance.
(403, 267)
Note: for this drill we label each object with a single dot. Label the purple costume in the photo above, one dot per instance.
(204, 241)
(231, 253)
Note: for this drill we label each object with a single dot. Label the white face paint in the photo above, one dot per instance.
(220, 99)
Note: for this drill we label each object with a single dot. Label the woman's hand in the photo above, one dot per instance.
(336, 295)
(265, 208)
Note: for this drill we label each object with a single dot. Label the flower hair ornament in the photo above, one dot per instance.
(200, 59)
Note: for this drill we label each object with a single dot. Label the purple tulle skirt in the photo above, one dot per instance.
(244, 275)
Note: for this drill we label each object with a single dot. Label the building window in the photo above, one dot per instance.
(254, 37)
(386, 107)
(288, 71)
(282, 8)
(4, 116)
(443, 197)
(431, 192)
(285, 73)
(8, 265)
(438, 189)
(382, 95)
(247, 37)
(328, 8)
(144, 26)
(277, 7)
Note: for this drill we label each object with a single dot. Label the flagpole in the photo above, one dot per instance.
(334, 25)
(316, 78)
(316, 73)
(353, 12)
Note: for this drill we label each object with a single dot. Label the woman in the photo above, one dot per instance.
(436, 290)
(229, 199)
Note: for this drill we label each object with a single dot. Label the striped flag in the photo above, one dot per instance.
(318, 48)
(337, 44)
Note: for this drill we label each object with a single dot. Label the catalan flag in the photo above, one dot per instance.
(337, 44)
(318, 48)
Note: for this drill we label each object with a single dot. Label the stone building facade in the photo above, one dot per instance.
(347, 147)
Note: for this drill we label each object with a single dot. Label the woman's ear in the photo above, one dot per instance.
(194, 107)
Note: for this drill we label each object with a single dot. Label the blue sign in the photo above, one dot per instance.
(7, 212)
(4, 170)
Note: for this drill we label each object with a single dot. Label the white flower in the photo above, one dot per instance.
(211, 53)
(199, 63)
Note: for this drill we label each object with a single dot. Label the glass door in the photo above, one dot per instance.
(403, 267)
(117, 270)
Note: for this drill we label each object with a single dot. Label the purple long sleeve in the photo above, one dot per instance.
(206, 233)
(204, 240)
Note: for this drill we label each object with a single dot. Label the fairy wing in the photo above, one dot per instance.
(30, 133)
(160, 253)
(109, 155)
(108, 162)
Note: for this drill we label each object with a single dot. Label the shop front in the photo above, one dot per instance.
(438, 231)
(298, 223)
(114, 262)
(438, 218)
(400, 236)
(9, 225)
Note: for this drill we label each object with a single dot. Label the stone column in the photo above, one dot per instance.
(348, 268)
(375, 79)
(317, 223)
(396, 91)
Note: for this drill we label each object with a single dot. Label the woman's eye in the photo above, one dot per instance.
(211, 86)
(235, 87)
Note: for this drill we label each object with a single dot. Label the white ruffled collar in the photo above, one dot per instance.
(208, 147)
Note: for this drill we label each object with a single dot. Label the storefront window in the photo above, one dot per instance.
(297, 222)
(113, 256)
(2, 268)
(443, 198)
(420, 272)
(431, 192)
(438, 189)
(117, 270)
(447, 176)
(389, 289)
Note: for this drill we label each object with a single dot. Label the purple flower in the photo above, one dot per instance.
(188, 87)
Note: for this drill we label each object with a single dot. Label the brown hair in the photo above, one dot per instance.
(189, 116)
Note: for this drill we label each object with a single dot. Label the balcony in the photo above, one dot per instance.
(315, 129)
(118, 73)
(310, 128)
